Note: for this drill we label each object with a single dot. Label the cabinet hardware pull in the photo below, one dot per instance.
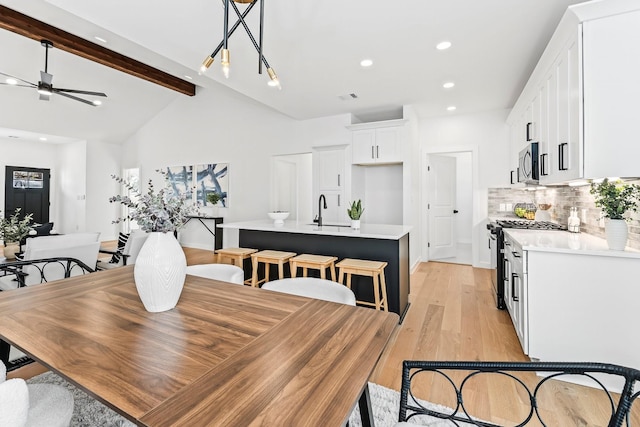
(338, 200)
(372, 152)
(518, 173)
(507, 243)
(512, 177)
(529, 131)
(515, 254)
(377, 152)
(543, 164)
(515, 297)
(561, 160)
(338, 180)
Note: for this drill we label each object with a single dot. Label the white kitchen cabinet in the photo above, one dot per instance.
(575, 296)
(516, 289)
(378, 143)
(587, 89)
(331, 177)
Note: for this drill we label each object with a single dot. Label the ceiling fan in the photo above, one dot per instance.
(45, 86)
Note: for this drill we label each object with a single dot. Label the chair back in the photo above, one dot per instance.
(224, 272)
(531, 389)
(57, 241)
(47, 272)
(134, 244)
(312, 287)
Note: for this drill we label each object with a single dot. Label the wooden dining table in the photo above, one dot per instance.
(226, 355)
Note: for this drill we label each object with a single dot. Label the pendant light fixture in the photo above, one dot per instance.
(223, 47)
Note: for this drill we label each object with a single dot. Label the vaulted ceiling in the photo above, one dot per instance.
(314, 46)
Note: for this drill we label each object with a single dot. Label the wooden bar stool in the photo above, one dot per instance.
(268, 257)
(373, 269)
(235, 256)
(316, 262)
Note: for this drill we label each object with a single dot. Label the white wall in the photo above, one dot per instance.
(71, 188)
(103, 160)
(223, 126)
(486, 136)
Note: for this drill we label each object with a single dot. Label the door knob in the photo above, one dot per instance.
(455, 211)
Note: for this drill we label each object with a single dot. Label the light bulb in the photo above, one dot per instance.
(274, 79)
(206, 64)
(224, 61)
(11, 81)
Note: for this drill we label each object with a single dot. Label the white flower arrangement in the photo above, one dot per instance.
(161, 211)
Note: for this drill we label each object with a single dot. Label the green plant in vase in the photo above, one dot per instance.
(355, 212)
(213, 198)
(616, 198)
(13, 230)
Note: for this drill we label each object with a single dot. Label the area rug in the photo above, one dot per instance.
(88, 412)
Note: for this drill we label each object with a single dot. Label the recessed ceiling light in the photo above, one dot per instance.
(42, 138)
(366, 63)
(188, 77)
(11, 81)
(100, 39)
(448, 85)
(443, 45)
(97, 102)
(452, 108)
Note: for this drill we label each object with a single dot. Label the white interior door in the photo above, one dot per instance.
(284, 186)
(441, 195)
(291, 188)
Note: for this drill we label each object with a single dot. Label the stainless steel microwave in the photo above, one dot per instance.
(528, 170)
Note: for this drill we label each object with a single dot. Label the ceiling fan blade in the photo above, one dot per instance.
(46, 77)
(73, 97)
(17, 78)
(83, 92)
(44, 97)
(8, 84)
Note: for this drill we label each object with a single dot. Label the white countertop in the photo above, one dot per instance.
(372, 231)
(565, 242)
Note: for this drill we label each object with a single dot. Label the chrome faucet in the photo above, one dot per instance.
(321, 199)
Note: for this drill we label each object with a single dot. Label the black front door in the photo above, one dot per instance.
(27, 188)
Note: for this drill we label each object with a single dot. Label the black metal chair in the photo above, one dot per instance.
(465, 372)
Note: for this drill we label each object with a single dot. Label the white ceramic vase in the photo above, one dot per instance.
(616, 232)
(159, 272)
(355, 224)
(11, 249)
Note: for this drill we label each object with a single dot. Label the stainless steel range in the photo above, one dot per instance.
(496, 246)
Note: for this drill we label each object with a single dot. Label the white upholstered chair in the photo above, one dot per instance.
(47, 272)
(57, 241)
(33, 405)
(313, 288)
(130, 251)
(224, 272)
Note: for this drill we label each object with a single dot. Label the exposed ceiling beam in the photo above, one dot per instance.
(28, 27)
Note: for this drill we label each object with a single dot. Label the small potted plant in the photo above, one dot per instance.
(616, 199)
(13, 230)
(355, 212)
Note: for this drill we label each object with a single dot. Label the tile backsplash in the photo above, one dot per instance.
(562, 199)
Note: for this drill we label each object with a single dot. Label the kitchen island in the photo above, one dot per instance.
(376, 242)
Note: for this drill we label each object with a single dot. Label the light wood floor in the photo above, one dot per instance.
(452, 317)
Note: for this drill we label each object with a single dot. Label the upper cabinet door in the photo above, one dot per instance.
(378, 145)
(330, 169)
(611, 95)
(363, 143)
(388, 149)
